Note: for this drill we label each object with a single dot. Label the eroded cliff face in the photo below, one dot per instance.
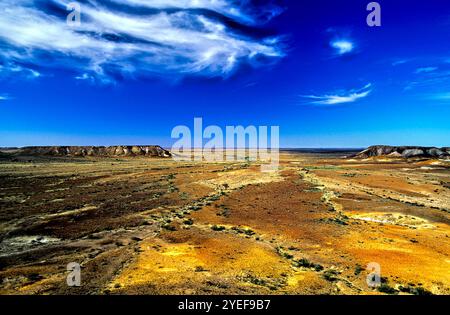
(404, 151)
(121, 150)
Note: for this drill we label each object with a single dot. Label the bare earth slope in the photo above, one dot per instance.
(93, 151)
(404, 151)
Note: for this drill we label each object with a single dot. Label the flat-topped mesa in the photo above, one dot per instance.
(100, 151)
(404, 152)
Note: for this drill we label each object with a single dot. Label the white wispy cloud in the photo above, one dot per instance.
(443, 96)
(436, 77)
(4, 97)
(426, 69)
(399, 62)
(11, 69)
(224, 7)
(242, 10)
(340, 97)
(342, 46)
(84, 76)
(179, 37)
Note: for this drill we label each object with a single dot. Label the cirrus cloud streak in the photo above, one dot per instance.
(117, 40)
(340, 97)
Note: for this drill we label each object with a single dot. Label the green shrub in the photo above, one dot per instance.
(188, 222)
(169, 227)
(415, 291)
(307, 264)
(217, 228)
(330, 275)
(358, 269)
(386, 288)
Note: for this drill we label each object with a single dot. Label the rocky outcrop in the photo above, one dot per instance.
(404, 152)
(82, 151)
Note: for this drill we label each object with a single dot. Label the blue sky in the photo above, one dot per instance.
(135, 69)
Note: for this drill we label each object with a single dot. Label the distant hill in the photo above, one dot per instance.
(100, 151)
(403, 151)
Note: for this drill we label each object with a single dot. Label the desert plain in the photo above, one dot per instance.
(141, 225)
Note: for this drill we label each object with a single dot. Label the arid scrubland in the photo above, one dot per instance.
(140, 225)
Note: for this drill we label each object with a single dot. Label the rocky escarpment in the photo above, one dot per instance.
(81, 151)
(404, 152)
